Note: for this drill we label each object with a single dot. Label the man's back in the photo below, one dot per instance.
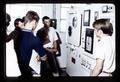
(28, 43)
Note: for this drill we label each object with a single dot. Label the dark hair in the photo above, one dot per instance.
(8, 19)
(45, 17)
(31, 15)
(23, 19)
(42, 34)
(16, 22)
(105, 26)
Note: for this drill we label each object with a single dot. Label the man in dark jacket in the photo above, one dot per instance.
(29, 42)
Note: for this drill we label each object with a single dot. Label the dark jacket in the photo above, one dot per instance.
(28, 43)
(16, 36)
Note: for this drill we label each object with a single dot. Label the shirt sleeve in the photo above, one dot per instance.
(55, 35)
(99, 51)
(12, 35)
(39, 47)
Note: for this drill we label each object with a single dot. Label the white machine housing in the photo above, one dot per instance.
(79, 61)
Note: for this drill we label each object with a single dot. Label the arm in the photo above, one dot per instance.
(55, 46)
(12, 35)
(38, 58)
(55, 38)
(54, 49)
(38, 47)
(98, 68)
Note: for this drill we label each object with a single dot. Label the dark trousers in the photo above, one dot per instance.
(25, 69)
(50, 66)
(45, 69)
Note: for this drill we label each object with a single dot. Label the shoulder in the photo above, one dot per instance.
(35, 40)
(40, 29)
(52, 29)
(106, 41)
(15, 32)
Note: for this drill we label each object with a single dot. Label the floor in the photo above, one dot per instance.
(63, 74)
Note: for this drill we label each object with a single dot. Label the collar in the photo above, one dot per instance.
(27, 30)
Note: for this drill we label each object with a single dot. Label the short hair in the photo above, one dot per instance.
(23, 18)
(30, 16)
(8, 19)
(45, 17)
(16, 22)
(42, 34)
(105, 26)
